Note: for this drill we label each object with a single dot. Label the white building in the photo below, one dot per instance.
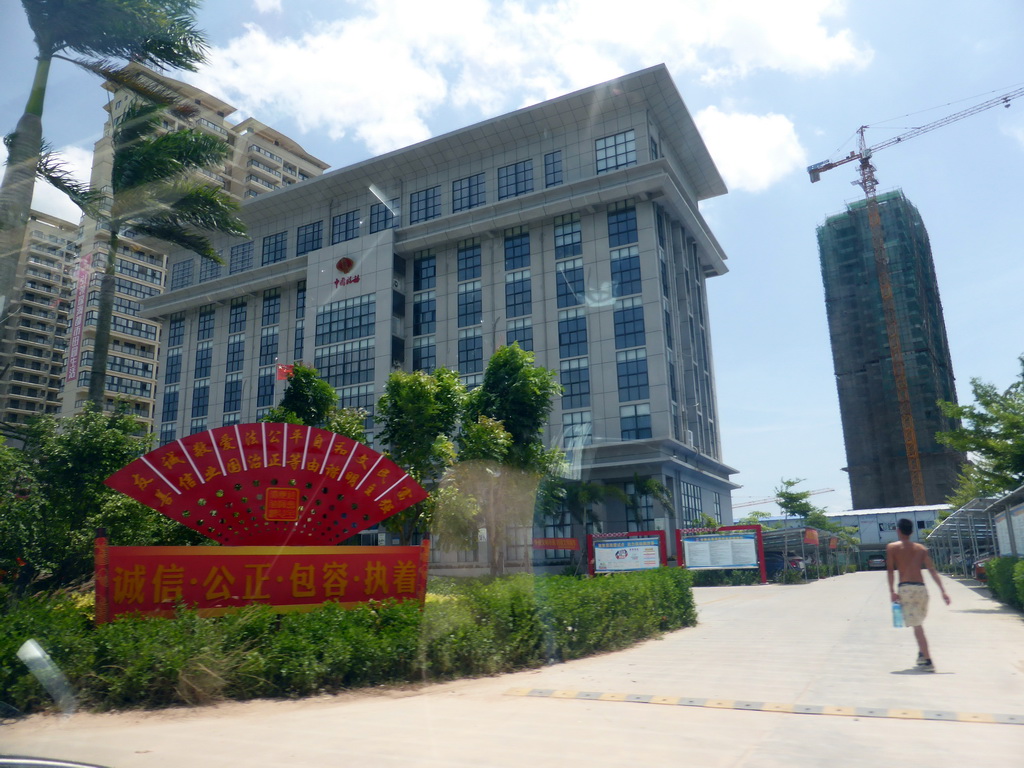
(571, 227)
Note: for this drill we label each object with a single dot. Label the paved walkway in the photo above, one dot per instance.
(730, 692)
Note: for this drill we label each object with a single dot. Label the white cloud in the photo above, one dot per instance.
(45, 198)
(267, 6)
(382, 73)
(752, 152)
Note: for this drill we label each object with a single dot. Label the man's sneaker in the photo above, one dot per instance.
(921, 660)
(926, 665)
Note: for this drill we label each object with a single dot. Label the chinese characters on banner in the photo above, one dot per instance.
(556, 543)
(265, 484)
(215, 580)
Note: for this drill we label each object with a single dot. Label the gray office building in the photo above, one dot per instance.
(570, 227)
(876, 451)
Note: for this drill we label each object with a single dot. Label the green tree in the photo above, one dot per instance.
(154, 192)
(520, 395)
(992, 432)
(350, 422)
(66, 462)
(794, 503)
(159, 33)
(419, 415)
(307, 397)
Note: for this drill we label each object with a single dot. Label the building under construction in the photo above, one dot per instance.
(876, 446)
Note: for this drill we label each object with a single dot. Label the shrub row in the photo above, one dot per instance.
(471, 628)
(1006, 579)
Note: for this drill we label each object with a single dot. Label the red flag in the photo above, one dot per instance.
(285, 372)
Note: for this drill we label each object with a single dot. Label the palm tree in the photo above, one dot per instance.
(159, 33)
(154, 192)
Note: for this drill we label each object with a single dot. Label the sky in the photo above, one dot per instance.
(773, 87)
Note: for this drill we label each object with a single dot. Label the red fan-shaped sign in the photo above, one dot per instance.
(269, 484)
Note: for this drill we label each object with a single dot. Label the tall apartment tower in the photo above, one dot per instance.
(262, 160)
(570, 227)
(875, 448)
(35, 334)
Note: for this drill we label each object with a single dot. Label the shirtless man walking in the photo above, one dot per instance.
(910, 558)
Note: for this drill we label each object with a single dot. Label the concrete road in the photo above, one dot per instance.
(730, 692)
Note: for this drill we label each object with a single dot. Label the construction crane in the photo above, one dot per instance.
(776, 498)
(869, 184)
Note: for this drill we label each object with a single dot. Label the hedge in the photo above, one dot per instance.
(1006, 579)
(465, 629)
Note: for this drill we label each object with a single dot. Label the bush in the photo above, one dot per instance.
(790, 576)
(1001, 572)
(726, 578)
(475, 628)
(1018, 581)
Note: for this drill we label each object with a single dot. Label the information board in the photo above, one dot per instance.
(636, 552)
(720, 550)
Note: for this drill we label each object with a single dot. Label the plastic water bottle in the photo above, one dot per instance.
(897, 615)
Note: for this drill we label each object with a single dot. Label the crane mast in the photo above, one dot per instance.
(869, 184)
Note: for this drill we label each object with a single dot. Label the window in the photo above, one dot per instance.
(265, 387)
(268, 345)
(577, 428)
(424, 205)
(520, 332)
(200, 399)
(518, 293)
(300, 300)
(470, 304)
(668, 328)
(618, 151)
(628, 320)
(631, 368)
(569, 282)
(424, 271)
(181, 274)
(626, 271)
(558, 526)
(309, 237)
(236, 353)
(233, 392)
(468, 193)
(236, 318)
(204, 359)
(517, 248)
(635, 421)
(692, 502)
(575, 380)
(642, 518)
(207, 318)
(170, 408)
(168, 433)
(383, 216)
(424, 354)
(176, 331)
(275, 248)
(172, 369)
(300, 339)
(197, 425)
(572, 333)
(424, 313)
(342, 365)
(471, 351)
(208, 269)
(553, 168)
(345, 320)
(345, 227)
(241, 257)
(271, 307)
(515, 179)
(469, 259)
(716, 500)
(568, 237)
(622, 225)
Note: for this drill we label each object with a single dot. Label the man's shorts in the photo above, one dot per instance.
(914, 599)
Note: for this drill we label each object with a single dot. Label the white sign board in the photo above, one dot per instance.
(633, 553)
(721, 550)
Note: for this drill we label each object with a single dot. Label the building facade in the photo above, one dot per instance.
(872, 428)
(570, 227)
(262, 160)
(34, 337)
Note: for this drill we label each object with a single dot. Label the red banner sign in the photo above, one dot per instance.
(556, 543)
(215, 580)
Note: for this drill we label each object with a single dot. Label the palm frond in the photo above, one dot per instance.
(54, 171)
(167, 231)
(139, 83)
